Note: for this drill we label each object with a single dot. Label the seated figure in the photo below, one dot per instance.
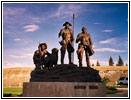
(52, 59)
(40, 55)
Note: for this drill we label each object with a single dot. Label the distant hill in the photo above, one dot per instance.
(16, 76)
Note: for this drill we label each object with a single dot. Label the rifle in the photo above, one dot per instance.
(41, 65)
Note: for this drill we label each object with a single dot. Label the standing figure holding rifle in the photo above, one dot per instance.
(85, 45)
(67, 41)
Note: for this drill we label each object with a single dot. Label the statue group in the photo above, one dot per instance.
(43, 59)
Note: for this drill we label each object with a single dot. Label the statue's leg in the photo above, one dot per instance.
(63, 50)
(37, 66)
(80, 52)
(87, 59)
(69, 53)
(69, 56)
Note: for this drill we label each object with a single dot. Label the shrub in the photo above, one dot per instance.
(111, 88)
(7, 94)
(105, 80)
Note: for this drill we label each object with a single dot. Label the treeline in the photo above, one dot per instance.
(111, 62)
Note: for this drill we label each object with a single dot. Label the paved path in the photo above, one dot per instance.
(124, 93)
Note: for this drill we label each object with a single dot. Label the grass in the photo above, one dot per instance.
(110, 67)
(112, 92)
(12, 91)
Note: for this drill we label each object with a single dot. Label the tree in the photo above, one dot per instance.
(97, 63)
(111, 63)
(93, 65)
(126, 64)
(105, 80)
(120, 62)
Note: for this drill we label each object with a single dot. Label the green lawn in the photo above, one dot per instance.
(17, 91)
(112, 92)
(12, 91)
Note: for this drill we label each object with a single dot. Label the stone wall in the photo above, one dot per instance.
(16, 76)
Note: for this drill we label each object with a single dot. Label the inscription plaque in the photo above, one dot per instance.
(93, 87)
(79, 87)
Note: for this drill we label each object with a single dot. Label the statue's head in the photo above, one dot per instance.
(67, 24)
(84, 29)
(55, 51)
(42, 46)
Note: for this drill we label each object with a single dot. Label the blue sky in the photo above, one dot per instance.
(25, 24)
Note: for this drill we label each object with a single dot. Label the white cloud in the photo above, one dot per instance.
(31, 28)
(97, 23)
(16, 64)
(13, 15)
(106, 30)
(66, 10)
(17, 39)
(102, 63)
(108, 41)
(21, 56)
(13, 11)
(108, 50)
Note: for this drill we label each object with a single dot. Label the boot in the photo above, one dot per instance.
(80, 64)
(88, 64)
(62, 58)
(62, 61)
(70, 62)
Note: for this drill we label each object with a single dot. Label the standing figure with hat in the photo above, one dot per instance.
(39, 55)
(66, 42)
(85, 45)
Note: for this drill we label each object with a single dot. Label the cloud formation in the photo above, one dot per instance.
(109, 50)
(16, 64)
(106, 30)
(66, 10)
(108, 41)
(97, 23)
(17, 39)
(21, 56)
(31, 28)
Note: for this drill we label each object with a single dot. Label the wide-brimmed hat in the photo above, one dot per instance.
(67, 23)
(43, 44)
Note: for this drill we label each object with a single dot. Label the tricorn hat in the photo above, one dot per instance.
(43, 44)
(67, 23)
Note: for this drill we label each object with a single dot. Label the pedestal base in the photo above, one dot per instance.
(64, 89)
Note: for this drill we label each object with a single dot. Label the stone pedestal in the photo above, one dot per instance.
(64, 89)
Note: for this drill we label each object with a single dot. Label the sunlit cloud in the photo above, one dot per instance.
(17, 39)
(21, 56)
(16, 64)
(97, 23)
(67, 10)
(31, 28)
(106, 30)
(108, 41)
(93, 61)
(108, 50)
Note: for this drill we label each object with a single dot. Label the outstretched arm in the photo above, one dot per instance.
(78, 38)
(60, 33)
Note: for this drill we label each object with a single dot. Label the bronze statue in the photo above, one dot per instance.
(67, 41)
(85, 45)
(52, 59)
(39, 55)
